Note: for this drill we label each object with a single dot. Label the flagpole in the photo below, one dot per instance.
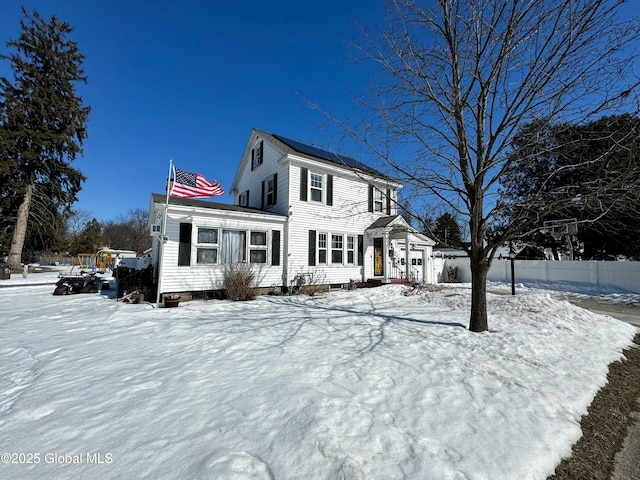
(163, 234)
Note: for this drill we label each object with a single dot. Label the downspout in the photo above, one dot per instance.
(285, 251)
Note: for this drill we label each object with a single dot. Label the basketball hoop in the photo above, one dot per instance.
(562, 231)
(559, 228)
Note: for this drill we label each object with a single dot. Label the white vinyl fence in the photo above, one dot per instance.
(620, 275)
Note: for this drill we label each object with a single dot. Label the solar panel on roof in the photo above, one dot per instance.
(318, 152)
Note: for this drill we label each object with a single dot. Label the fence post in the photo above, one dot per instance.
(546, 270)
(595, 272)
(506, 271)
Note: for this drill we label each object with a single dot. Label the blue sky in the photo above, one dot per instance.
(188, 80)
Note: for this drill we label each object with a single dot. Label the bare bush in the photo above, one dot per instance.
(312, 282)
(238, 281)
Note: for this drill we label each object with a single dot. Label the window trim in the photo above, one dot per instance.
(337, 249)
(201, 246)
(337, 239)
(350, 248)
(378, 200)
(381, 200)
(323, 251)
(308, 189)
(243, 246)
(257, 154)
(263, 248)
(271, 190)
(243, 199)
(268, 244)
(314, 188)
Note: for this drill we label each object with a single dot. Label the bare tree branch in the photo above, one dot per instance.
(458, 79)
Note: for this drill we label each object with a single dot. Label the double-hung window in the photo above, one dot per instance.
(378, 200)
(271, 190)
(258, 247)
(207, 246)
(244, 199)
(322, 248)
(336, 249)
(351, 249)
(257, 153)
(316, 187)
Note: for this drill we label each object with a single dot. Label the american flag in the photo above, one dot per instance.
(190, 185)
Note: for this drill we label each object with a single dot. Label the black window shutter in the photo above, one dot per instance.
(312, 248)
(275, 247)
(262, 199)
(388, 201)
(261, 151)
(275, 188)
(184, 246)
(371, 198)
(360, 250)
(253, 158)
(304, 184)
(329, 190)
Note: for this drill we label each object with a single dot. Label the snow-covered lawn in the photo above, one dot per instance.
(350, 385)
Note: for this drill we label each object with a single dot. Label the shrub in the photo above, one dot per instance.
(314, 282)
(238, 281)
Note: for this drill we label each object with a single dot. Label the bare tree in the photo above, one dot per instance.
(129, 232)
(460, 77)
(138, 220)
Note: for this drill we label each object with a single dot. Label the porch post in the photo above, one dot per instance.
(385, 256)
(407, 255)
(425, 270)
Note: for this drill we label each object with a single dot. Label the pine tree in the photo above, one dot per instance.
(90, 239)
(447, 230)
(42, 125)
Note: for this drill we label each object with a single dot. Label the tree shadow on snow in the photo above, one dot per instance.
(339, 319)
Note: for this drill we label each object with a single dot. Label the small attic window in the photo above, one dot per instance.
(244, 199)
(257, 154)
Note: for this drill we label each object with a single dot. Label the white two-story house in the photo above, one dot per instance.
(298, 211)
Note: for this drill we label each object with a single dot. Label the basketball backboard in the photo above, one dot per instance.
(559, 228)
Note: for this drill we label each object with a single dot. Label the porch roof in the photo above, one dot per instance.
(398, 227)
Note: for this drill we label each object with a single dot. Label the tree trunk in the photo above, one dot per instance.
(478, 322)
(20, 230)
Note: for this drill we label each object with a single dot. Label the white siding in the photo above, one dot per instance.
(209, 277)
(348, 215)
(251, 180)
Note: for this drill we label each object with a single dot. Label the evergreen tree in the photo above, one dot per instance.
(42, 126)
(596, 179)
(447, 230)
(90, 239)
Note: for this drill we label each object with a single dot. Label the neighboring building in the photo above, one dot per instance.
(298, 210)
